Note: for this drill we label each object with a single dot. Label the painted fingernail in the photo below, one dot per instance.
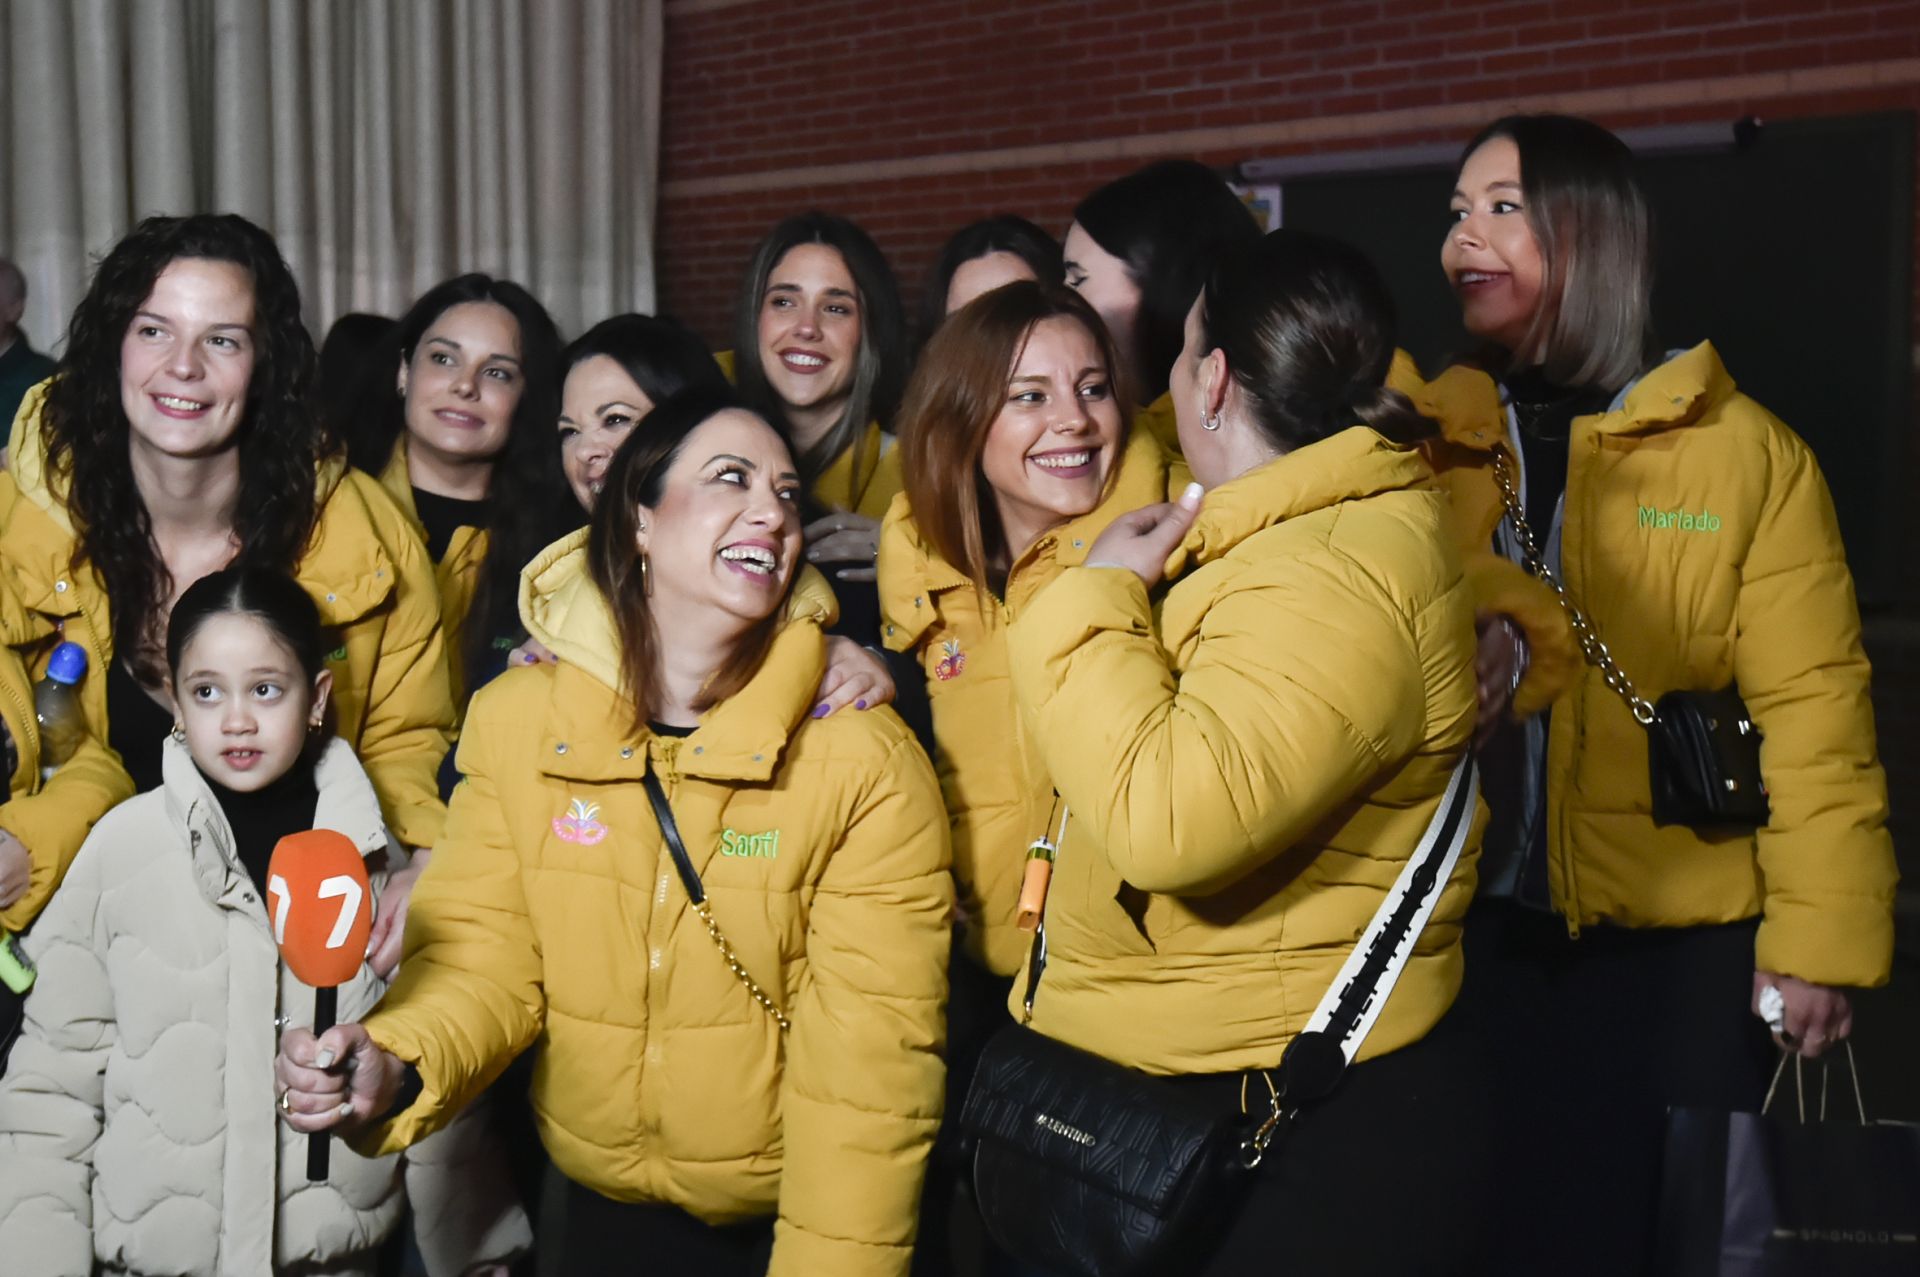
(820, 710)
(859, 704)
(324, 1060)
(346, 1110)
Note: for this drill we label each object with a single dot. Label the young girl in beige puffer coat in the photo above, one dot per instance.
(137, 1124)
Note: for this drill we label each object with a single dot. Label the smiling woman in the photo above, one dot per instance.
(799, 954)
(613, 376)
(454, 422)
(820, 351)
(1570, 430)
(178, 437)
(1017, 452)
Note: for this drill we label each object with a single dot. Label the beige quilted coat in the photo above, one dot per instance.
(137, 1123)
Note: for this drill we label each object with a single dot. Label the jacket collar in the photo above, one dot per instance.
(397, 480)
(1468, 405)
(588, 735)
(344, 568)
(1353, 464)
(347, 805)
(922, 571)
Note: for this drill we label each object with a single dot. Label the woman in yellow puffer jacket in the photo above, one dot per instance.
(1016, 390)
(41, 813)
(1248, 765)
(456, 422)
(1695, 531)
(820, 348)
(705, 1100)
(178, 437)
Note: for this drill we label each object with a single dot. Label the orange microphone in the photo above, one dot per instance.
(322, 910)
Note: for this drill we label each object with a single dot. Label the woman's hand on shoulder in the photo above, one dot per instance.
(854, 676)
(1141, 541)
(342, 1079)
(531, 652)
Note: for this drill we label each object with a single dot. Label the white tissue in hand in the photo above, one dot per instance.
(1773, 1008)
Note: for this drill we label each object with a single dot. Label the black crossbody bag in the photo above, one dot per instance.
(1703, 750)
(1090, 1169)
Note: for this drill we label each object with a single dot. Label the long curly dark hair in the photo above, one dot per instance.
(528, 504)
(86, 434)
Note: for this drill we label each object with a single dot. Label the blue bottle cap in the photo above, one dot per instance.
(68, 665)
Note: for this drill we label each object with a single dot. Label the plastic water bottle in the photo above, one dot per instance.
(56, 703)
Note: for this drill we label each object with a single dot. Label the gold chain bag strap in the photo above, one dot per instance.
(1703, 750)
(697, 895)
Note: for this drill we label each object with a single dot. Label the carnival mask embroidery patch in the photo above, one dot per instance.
(580, 824)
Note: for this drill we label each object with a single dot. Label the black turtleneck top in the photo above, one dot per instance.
(1545, 413)
(262, 818)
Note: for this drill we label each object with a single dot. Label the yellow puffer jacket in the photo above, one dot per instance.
(1158, 420)
(997, 790)
(1248, 777)
(456, 575)
(367, 573)
(554, 916)
(1500, 586)
(45, 816)
(1700, 537)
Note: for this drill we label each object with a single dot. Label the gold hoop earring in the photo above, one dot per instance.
(179, 731)
(646, 575)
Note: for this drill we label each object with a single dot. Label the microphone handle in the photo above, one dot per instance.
(326, 1005)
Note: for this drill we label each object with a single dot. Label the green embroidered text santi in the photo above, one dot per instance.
(766, 845)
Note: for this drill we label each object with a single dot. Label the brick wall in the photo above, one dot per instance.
(915, 117)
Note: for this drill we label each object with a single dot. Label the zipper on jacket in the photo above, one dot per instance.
(1568, 874)
(31, 746)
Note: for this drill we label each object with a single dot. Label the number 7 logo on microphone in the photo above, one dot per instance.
(338, 885)
(320, 896)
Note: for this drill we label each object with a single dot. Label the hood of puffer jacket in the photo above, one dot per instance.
(741, 737)
(1679, 392)
(1356, 463)
(348, 573)
(347, 805)
(40, 484)
(912, 569)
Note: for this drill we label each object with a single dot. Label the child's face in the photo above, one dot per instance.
(245, 703)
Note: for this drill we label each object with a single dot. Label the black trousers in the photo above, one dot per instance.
(951, 1241)
(605, 1238)
(1383, 1178)
(1592, 1041)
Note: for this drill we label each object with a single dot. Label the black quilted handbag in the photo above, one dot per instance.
(1087, 1168)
